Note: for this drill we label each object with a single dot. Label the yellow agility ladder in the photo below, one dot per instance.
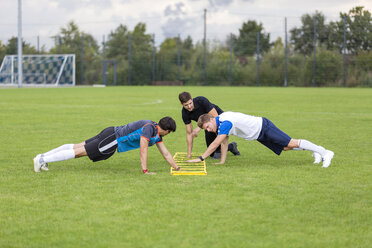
(188, 169)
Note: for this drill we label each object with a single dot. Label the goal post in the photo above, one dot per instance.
(48, 70)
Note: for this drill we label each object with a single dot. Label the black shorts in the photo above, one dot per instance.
(101, 146)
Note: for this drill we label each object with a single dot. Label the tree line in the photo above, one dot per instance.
(134, 53)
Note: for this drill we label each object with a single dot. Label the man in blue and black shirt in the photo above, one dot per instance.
(192, 109)
(139, 134)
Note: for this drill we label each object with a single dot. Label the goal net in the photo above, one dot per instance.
(39, 70)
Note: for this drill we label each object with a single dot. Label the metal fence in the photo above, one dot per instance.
(211, 62)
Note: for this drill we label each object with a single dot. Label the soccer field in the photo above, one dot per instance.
(257, 199)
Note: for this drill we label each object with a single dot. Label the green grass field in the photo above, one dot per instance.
(257, 199)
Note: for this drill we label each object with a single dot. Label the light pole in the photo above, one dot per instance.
(20, 69)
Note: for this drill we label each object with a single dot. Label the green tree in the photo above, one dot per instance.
(2, 51)
(167, 69)
(117, 49)
(303, 38)
(12, 47)
(141, 43)
(359, 69)
(358, 30)
(328, 68)
(117, 44)
(187, 49)
(141, 57)
(187, 43)
(218, 63)
(245, 44)
(272, 65)
(192, 70)
(167, 59)
(71, 43)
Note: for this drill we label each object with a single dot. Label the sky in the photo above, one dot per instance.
(164, 18)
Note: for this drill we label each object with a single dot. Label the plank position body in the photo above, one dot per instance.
(139, 134)
(261, 129)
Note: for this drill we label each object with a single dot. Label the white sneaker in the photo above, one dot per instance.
(327, 158)
(37, 164)
(44, 167)
(317, 158)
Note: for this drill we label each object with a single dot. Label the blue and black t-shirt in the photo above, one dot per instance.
(129, 136)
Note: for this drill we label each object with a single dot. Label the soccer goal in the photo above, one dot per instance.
(51, 70)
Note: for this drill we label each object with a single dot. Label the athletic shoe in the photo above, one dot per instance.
(317, 158)
(44, 167)
(233, 148)
(37, 164)
(327, 158)
(216, 155)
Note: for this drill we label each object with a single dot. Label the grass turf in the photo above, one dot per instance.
(255, 200)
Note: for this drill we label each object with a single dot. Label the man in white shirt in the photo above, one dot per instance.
(261, 129)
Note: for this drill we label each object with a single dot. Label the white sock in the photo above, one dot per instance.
(59, 156)
(61, 148)
(307, 145)
(297, 149)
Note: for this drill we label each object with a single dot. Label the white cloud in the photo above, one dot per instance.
(165, 18)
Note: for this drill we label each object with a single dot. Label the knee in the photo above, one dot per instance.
(80, 152)
(293, 143)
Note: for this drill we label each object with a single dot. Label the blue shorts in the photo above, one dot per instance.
(272, 137)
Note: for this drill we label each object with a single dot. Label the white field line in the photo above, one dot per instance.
(151, 103)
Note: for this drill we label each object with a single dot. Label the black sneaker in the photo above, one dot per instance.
(233, 148)
(216, 155)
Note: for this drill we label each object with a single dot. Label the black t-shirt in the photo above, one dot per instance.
(201, 106)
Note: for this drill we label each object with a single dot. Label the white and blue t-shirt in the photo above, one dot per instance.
(241, 125)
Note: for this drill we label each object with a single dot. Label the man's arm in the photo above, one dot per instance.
(144, 144)
(167, 156)
(189, 139)
(212, 147)
(224, 148)
(191, 134)
(213, 112)
(195, 132)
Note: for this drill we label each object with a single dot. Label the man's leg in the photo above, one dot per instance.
(80, 150)
(326, 155)
(275, 139)
(233, 148)
(317, 157)
(60, 148)
(77, 151)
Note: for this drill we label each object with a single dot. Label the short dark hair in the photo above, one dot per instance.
(184, 97)
(167, 124)
(204, 119)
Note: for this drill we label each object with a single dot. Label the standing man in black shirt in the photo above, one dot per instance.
(192, 109)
